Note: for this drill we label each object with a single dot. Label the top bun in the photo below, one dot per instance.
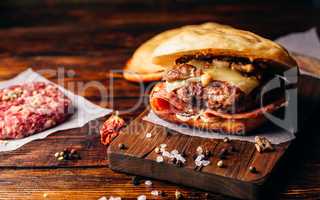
(220, 40)
(140, 67)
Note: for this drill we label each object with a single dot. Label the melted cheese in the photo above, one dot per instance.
(233, 77)
(170, 86)
(219, 71)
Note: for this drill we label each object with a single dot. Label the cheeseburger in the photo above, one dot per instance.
(214, 75)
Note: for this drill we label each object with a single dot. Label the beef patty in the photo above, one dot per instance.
(217, 95)
(182, 72)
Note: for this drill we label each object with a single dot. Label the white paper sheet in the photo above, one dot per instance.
(274, 134)
(85, 111)
(306, 43)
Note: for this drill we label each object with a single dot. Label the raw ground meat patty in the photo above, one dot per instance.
(29, 108)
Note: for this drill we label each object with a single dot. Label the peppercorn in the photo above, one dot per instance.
(73, 151)
(252, 169)
(232, 149)
(173, 160)
(135, 180)
(220, 163)
(179, 163)
(178, 195)
(226, 140)
(66, 156)
(221, 155)
(224, 151)
(121, 146)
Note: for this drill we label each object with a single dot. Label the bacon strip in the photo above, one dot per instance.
(162, 102)
(251, 114)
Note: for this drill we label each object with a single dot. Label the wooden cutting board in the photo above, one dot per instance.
(234, 179)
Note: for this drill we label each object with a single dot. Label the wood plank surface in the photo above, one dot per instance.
(89, 42)
(79, 183)
(234, 179)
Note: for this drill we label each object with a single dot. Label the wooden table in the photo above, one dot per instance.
(91, 41)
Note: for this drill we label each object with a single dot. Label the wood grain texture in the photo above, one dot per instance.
(92, 41)
(79, 183)
(234, 179)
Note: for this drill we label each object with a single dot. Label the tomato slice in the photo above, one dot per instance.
(161, 104)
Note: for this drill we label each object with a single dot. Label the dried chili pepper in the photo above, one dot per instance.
(111, 128)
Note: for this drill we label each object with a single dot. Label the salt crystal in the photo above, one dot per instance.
(166, 154)
(157, 150)
(148, 135)
(161, 150)
(199, 157)
(174, 152)
(142, 197)
(205, 162)
(159, 159)
(163, 146)
(198, 163)
(178, 194)
(114, 198)
(199, 150)
(179, 157)
(102, 198)
(155, 192)
(148, 183)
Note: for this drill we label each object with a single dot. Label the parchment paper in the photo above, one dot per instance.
(85, 111)
(275, 134)
(305, 43)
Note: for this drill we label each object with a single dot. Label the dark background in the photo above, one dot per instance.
(143, 19)
(278, 17)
